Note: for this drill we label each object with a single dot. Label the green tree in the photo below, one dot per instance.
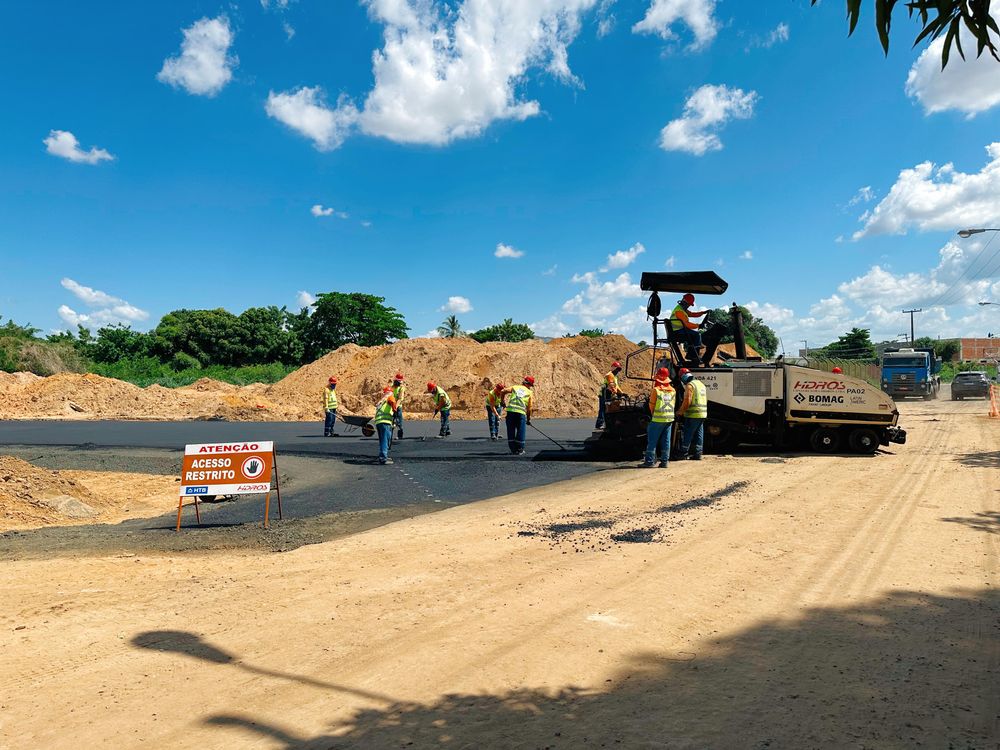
(268, 335)
(757, 333)
(944, 349)
(936, 17)
(855, 344)
(213, 337)
(591, 333)
(450, 328)
(13, 330)
(506, 331)
(117, 342)
(354, 318)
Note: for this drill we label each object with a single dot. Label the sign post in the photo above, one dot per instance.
(228, 469)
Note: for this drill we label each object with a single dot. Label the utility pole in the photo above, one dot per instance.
(910, 313)
(806, 345)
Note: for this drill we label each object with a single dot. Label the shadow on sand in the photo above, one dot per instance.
(988, 460)
(906, 670)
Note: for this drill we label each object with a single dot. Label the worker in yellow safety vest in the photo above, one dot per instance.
(519, 405)
(609, 391)
(686, 331)
(694, 409)
(385, 411)
(442, 404)
(399, 393)
(330, 407)
(494, 405)
(661, 420)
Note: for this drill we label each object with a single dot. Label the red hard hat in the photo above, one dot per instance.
(689, 298)
(529, 380)
(387, 389)
(333, 381)
(399, 377)
(684, 371)
(663, 374)
(499, 387)
(431, 386)
(837, 371)
(616, 365)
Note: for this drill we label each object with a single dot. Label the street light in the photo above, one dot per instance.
(966, 233)
(989, 303)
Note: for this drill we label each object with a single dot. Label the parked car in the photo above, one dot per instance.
(973, 383)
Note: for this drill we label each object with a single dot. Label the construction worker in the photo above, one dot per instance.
(519, 398)
(385, 411)
(494, 405)
(330, 407)
(694, 409)
(609, 390)
(661, 410)
(684, 330)
(398, 393)
(442, 403)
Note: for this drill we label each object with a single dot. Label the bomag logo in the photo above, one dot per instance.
(825, 398)
(819, 385)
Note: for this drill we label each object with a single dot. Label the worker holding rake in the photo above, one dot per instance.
(519, 398)
(442, 404)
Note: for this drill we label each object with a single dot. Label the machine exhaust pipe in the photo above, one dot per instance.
(738, 338)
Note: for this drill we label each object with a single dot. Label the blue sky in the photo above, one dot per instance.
(173, 158)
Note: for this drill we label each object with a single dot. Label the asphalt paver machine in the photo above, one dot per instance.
(749, 401)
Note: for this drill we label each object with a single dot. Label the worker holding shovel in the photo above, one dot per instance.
(385, 414)
(442, 403)
(494, 405)
(398, 393)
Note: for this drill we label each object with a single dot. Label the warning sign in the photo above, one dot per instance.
(227, 469)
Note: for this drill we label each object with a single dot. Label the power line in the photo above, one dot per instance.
(968, 269)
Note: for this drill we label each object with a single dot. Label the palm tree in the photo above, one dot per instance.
(450, 328)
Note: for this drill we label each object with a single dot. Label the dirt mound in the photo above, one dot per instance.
(30, 496)
(13, 381)
(567, 371)
(601, 351)
(565, 383)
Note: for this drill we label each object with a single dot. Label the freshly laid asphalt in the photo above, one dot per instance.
(320, 476)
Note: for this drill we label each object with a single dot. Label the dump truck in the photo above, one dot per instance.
(911, 372)
(780, 404)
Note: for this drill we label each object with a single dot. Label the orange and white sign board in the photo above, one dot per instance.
(227, 469)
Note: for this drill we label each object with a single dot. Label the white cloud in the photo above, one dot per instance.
(304, 299)
(306, 111)
(506, 251)
(669, 263)
(278, 4)
(204, 65)
(697, 15)
(864, 195)
(552, 326)
(457, 305)
(318, 210)
(778, 34)
(746, 255)
(600, 300)
(448, 72)
(624, 258)
(64, 144)
(288, 29)
(366, 224)
(970, 86)
(551, 271)
(106, 309)
(938, 198)
(706, 111)
(773, 315)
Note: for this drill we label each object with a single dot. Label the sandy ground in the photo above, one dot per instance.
(783, 602)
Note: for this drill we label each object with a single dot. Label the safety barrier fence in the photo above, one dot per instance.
(864, 369)
(994, 409)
